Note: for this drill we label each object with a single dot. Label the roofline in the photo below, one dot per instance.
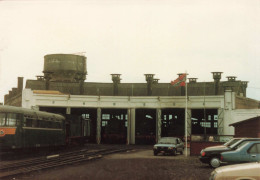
(250, 119)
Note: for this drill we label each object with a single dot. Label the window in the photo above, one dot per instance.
(11, 119)
(2, 119)
(85, 116)
(105, 116)
(253, 149)
(28, 122)
(104, 123)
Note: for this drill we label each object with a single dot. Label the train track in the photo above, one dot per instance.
(36, 164)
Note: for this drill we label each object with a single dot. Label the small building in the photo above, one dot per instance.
(247, 128)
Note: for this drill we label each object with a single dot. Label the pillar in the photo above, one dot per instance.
(98, 125)
(158, 124)
(128, 126)
(132, 126)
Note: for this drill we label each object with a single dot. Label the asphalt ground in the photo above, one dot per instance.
(139, 163)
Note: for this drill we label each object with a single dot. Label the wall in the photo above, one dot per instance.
(249, 128)
(246, 103)
(15, 100)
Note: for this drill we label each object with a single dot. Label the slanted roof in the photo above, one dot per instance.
(257, 118)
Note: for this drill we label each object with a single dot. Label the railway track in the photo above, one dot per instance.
(37, 164)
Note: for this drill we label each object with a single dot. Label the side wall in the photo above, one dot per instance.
(248, 129)
(246, 103)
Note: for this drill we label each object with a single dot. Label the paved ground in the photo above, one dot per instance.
(138, 164)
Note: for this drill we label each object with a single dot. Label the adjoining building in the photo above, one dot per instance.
(135, 113)
(247, 128)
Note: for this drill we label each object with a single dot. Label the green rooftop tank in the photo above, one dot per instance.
(65, 67)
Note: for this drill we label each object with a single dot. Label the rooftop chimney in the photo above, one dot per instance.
(150, 81)
(20, 84)
(192, 80)
(216, 77)
(116, 80)
(231, 78)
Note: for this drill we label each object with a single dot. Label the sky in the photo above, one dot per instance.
(133, 38)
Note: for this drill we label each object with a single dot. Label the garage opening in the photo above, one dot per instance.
(88, 120)
(173, 123)
(204, 121)
(114, 126)
(81, 122)
(145, 126)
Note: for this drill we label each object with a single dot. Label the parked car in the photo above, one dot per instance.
(249, 152)
(228, 143)
(169, 145)
(212, 155)
(238, 171)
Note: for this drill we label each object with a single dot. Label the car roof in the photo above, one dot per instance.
(244, 139)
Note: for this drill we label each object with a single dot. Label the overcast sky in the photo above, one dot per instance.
(133, 37)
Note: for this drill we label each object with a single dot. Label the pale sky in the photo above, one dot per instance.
(133, 37)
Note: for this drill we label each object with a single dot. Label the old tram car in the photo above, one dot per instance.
(26, 128)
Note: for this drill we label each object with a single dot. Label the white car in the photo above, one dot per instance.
(248, 171)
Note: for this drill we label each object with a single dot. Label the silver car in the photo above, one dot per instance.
(169, 145)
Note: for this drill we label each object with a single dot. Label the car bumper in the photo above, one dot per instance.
(163, 150)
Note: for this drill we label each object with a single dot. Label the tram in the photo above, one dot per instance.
(26, 128)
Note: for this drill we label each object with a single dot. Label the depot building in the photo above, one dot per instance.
(135, 113)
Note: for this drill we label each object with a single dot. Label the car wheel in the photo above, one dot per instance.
(174, 152)
(181, 152)
(214, 162)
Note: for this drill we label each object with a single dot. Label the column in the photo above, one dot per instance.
(132, 129)
(189, 122)
(128, 126)
(98, 125)
(158, 124)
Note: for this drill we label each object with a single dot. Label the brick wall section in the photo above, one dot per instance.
(196, 147)
(14, 101)
(250, 128)
(246, 103)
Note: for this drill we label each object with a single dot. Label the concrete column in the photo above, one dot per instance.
(128, 126)
(158, 124)
(68, 110)
(189, 122)
(220, 121)
(98, 125)
(132, 126)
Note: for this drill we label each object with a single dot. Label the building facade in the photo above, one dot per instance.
(135, 113)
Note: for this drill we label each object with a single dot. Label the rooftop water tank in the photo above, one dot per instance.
(65, 67)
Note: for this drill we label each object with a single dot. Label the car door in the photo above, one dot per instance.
(254, 153)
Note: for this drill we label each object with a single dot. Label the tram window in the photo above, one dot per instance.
(34, 123)
(28, 122)
(58, 125)
(2, 119)
(11, 119)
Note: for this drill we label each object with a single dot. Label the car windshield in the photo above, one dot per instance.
(167, 140)
(240, 146)
(240, 143)
(231, 142)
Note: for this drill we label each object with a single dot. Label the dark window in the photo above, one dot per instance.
(28, 122)
(253, 149)
(2, 119)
